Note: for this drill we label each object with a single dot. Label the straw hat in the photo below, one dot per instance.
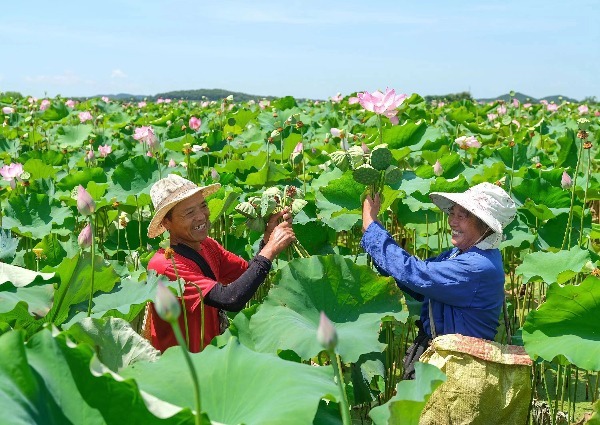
(167, 192)
(488, 202)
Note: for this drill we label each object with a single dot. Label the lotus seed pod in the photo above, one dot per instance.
(273, 191)
(340, 159)
(393, 175)
(366, 174)
(357, 156)
(256, 224)
(381, 158)
(246, 209)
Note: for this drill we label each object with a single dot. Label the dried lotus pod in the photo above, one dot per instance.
(246, 209)
(297, 205)
(273, 191)
(357, 156)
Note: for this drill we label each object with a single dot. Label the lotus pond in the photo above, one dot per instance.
(71, 314)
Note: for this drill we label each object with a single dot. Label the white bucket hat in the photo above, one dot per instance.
(488, 202)
(167, 192)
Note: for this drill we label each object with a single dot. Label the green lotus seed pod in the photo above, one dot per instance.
(357, 156)
(246, 209)
(256, 224)
(393, 175)
(381, 158)
(340, 159)
(366, 174)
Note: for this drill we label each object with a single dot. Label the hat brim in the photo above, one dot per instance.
(156, 227)
(446, 200)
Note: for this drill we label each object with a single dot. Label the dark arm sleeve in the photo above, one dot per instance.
(233, 297)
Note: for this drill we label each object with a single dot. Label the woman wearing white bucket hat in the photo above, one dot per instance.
(226, 280)
(462, 288)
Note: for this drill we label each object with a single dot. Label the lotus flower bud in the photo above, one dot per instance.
(326, 333)
(172, 163)
(214, 175)
(166, 304)
(195, 123)
(85, 203)
(566, 181)
(438, 170)
(85, 237)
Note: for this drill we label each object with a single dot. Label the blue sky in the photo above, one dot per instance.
(308, 49)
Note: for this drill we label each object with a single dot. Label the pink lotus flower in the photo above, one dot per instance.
(515, 103)
(166, 304)
(85, 116)
(85, 237)
(105, 99)
(141, 104)
(159, 101)
(466, 142)
(492, 117)
(583, 109)
(552, 107)
(172, 163)
(381, 103)
(337, 98)
(527, 105)
(205, 104)
(195, 123)
(104, 150)
(501, 110)
(438, 170)
(32, 100)
(70, 103)
(336, 132)
(150, 154)
(44, 105)
(298, 148)
(566, 181)
(264, 103)
(11, 172)
(7, 110)
(167, 101)
(85, 203)
(544, 102)
(145, 134)
(441, 104)
(90, 155)
(517, 123)
(326, 333)
(597, 113)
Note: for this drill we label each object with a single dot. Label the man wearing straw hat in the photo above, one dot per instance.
(463, 288)
(226, 281)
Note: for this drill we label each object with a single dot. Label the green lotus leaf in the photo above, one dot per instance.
(117, 344)
(232, 385)
(39, 169)
(73, 136)
(82, 177)
(26, 291)
(56, 112)
(410, 399)
(20, 277)
(267, 205)
(344, 192)
(49, 381)
(133, 177)
(340, 159)
(353, 297)
(566, 325)
(76, 277)
(542, 192)
(270, 173)
(33, 215)
(407, 134)
(284, 103)
(554, 266)
(52, 251)
(256, 224)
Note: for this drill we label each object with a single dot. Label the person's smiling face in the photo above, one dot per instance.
(188, 221)
(466, 230)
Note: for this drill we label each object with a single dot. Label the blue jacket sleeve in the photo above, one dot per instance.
(449, 281)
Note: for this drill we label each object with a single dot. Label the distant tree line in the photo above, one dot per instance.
(452, 97)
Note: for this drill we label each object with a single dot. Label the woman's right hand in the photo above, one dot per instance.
(371, 207)
(280, 238)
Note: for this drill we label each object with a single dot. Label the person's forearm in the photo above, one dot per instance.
(233, 297)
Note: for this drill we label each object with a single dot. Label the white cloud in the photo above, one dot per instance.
(117, 73)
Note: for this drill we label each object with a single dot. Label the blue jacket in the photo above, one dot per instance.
(466, 289)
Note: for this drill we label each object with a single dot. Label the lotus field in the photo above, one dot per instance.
(74, 284)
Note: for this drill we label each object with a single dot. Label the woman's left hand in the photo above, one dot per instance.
(371, 207)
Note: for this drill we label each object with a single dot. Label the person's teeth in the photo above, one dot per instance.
(200, 227)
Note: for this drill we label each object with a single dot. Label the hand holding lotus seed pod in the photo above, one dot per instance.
(371, 207)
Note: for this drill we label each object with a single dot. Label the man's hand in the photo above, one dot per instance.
(370, 210)
(283, 215)
(280, 238)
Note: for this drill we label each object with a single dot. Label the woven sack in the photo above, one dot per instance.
(487, 382)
